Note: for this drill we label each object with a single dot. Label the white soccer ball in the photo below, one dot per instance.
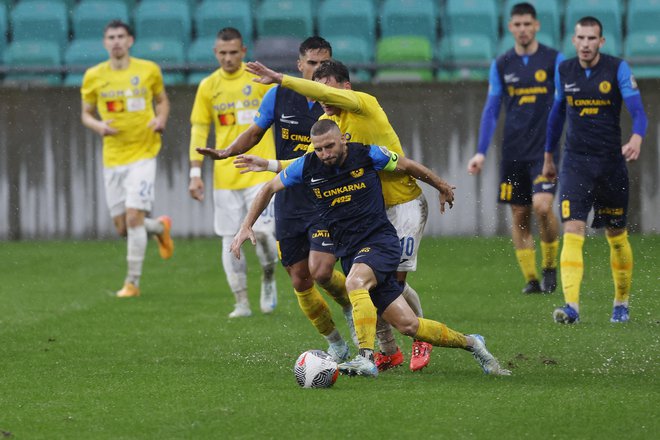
(315, 369)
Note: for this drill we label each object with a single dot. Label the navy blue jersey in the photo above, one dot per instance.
(527, 84)
(292, 116)
(349, 197)
(593, 97)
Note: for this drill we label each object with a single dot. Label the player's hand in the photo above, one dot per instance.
(476, 163)
(250, 163)
(446, 196)
(549, 168)
(213, 153)
(243, 234)
(104, 128)
(266, 75)
(632, 149)
(157, 125)
(196, 188)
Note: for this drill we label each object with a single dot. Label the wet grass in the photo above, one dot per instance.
(77, 363)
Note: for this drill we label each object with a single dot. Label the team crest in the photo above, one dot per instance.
(247, 90)
(357, 173)
(135, 80)
(605, 87)
(540, 75)
(347, 136)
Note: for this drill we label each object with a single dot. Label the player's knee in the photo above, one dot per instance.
(543, 210)
(406, 325)
(122, 230)
(300, 278)
(322, 273)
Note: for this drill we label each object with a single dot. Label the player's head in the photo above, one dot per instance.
(523, 24)
(311, 53)
(329, 144)
(588, 39)
(229, 49)
(118, 39)
(334, 74)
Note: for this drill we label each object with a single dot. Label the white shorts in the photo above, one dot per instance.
(231, 207)
(409, 220)
(130, 186)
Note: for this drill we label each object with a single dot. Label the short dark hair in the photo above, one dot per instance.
(228, 34)
(591, 21)
(323, 126)
(523, 9)
(314, 43)
(332, 69)
(115, 24)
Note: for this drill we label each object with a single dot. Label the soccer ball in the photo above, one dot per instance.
(315, 369)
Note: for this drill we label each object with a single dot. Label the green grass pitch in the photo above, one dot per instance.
(77, 363)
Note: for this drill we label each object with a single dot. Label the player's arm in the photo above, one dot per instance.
(162, 110)
(251, 163)
(88, 118)
(633, 101)
(488, 123)
(556, 119)
(200, 120)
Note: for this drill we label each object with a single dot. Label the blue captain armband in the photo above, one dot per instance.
(383, 158)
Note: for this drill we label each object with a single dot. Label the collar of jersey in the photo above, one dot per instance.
(234, 75)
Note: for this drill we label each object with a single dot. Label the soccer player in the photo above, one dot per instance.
(347, 190)
(593, 171)
(229, 99)
(306, 250)
(123, 92)
(361, 118)
(524, 78)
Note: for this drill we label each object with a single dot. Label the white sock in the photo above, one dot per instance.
(385, 337)
(137, 246)
(412, 298)
(235, 271)
(333, 337)
(267, 254)
(153, 226)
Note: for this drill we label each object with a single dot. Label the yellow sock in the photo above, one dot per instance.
(316, 309)
(364, 317)
(572, 267)
(439, 334)
(336, 288)
(549, 253)
(527, 261)
(621, 261)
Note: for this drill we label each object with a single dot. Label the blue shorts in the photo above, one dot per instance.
(382, 256)
(519, 180)
(294, 249)
(594, 182)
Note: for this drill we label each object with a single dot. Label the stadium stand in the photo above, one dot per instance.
(352, 51)
(409, 17)
(163, 19)
(167, 52)
(212, 15)
(348, 18)
(400, 50)
(642, 51)
(191, 4)
(280, 53)
(285, 18)
(643, 15)
(90, 17)
(471, 17)
(40, 20)
(607, 11)
(80, 55)
(4, 29)
(201, 54)
(474, 51)
(33, 54)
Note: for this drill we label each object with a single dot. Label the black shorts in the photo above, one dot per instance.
(294, 249)
(520, 180)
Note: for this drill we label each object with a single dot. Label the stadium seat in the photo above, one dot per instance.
(642, 51)
(609, 12)
(90, 17)
(507, 42)
(285, 18)
(352, 50)
(166, 19)
(200, 55)
(468, 56)
(473, 17)
(348, 18)
(279, 53)
(4, 29)
(80, 55)
(33, 54)
(166, 52)
(409, 17)
(612, 45)
(547, 12)
(213, 15)
(40, 20)
(643, 15)
(400, 51)
(191, 4)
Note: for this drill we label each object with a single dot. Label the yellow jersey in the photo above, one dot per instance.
(125, 97)
(229, 101)
(362, 120)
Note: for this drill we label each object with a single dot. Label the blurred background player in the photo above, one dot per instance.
(593, 169)
(131, 132)
(524, 78)
(306, 250)
(361, 119)
(348, 194)
(229, 99)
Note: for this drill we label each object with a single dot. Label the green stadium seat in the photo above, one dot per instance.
(471, 17)
(469, 57)
(348, 18)
(409, 17)
(40, 20)
(612, 45)
(213, 15)
(285, 18)
(201, 54)
(279, 53)
(352, 50)
(643, 15)
(547, 12)
(33, 54)
(191, 4)
(403, 50)
(79, 56)
(166, 19)
(608, 12)
(90, 17)
(166, 52)
(4, 28)
(507, 41)
(642, 51)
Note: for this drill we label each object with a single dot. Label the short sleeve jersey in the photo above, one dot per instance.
(125, 97)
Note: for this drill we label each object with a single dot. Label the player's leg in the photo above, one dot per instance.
(523, 243)
(621, 263)
(542, 204)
